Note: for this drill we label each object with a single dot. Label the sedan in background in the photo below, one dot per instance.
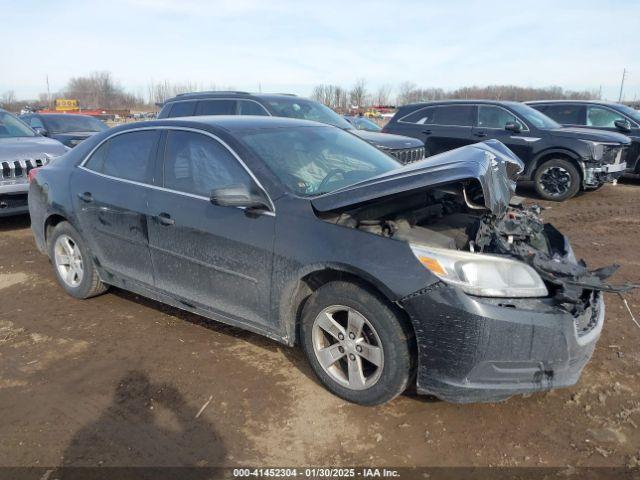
(68, 128)
(613, 117)
(386, 274)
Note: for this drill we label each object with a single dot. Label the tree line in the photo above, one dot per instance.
(100, 90)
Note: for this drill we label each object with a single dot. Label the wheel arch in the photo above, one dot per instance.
(293, 298)
(542, 157)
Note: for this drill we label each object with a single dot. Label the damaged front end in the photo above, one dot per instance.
(510, 309)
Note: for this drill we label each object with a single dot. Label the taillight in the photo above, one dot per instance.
(32, 174)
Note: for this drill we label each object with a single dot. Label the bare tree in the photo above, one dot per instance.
(358, 93)
(8, 99)
(383, 95)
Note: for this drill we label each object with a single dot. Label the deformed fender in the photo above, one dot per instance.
(533, 164)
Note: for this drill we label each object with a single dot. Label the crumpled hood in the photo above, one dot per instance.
(388, 140)
(19, 148)
(588, 134)
(491, 163)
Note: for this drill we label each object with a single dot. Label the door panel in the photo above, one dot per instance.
(490, 124)
(110, 199)
(113, 220)
(213, 257)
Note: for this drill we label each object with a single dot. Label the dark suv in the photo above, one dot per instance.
(559, 160)
(613, 117)
(405, 149)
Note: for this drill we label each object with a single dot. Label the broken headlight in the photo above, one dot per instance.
(480, 274)
(597, 148)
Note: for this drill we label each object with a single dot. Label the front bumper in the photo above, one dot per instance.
(13, 199)
(475, 349)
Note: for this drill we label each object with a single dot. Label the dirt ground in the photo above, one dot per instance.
(119, 380)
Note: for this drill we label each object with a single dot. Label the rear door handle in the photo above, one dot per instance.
(480, 134)
(86, 197)
(165, 219)
(427, 132)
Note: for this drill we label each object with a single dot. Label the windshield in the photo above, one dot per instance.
(12, 126)
(72, 123)
(311, 161)
(307, 110)
(363, 123)
(630, 112)
(533, 116)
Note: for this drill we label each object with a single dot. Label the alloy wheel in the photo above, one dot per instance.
(68, 260)
(347, 347)
(556, 181)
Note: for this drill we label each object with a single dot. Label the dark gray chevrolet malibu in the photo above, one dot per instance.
(386, 274)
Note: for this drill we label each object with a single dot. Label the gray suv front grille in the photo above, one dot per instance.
(19, 169)
(408, 155)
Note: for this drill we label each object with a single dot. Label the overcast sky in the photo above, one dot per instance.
(290, 46)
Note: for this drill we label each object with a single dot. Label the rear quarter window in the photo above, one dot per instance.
(216, 107)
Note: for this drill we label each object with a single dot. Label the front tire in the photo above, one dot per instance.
(358, 347)
(72, 263)
(557, 180)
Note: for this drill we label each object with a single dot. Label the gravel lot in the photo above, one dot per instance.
(119, 380)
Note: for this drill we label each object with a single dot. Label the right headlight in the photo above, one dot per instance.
(480, 274)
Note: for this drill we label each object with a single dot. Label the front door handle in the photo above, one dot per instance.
(480, 134)
(165, 219)
(427, 132)
(86, 197)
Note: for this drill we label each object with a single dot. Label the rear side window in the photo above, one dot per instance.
(128, 156)
(421, 116)
(456, 115)
(182, 109)
(490, 116)
(251, 108)
(459, 115)
(566, 114)
(216, 107)
(196, 164)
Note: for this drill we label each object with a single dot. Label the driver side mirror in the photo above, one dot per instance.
(40, 131)
(238, 196)
(512, 127)
(622, 125)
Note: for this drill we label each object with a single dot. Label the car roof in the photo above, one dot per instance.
(227, 122)
(228, 94)
(591, 102)
(462, 101)
(63, 115)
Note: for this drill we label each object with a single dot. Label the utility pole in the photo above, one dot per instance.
(48, 95)
(624, 74)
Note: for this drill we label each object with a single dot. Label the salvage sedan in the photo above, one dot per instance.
(386, 274)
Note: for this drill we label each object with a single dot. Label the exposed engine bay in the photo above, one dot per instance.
(453, 216)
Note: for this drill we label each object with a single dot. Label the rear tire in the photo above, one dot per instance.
(368, 356)
(557, 180)
(72, 263)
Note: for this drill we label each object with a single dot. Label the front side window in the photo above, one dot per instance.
(565, 114)
(11, 126)
(216, 107)
(197, 164)
(533, 116)
(490, 116)
(602, 117)
(128, 156)
(247, 107)
(311, 161)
